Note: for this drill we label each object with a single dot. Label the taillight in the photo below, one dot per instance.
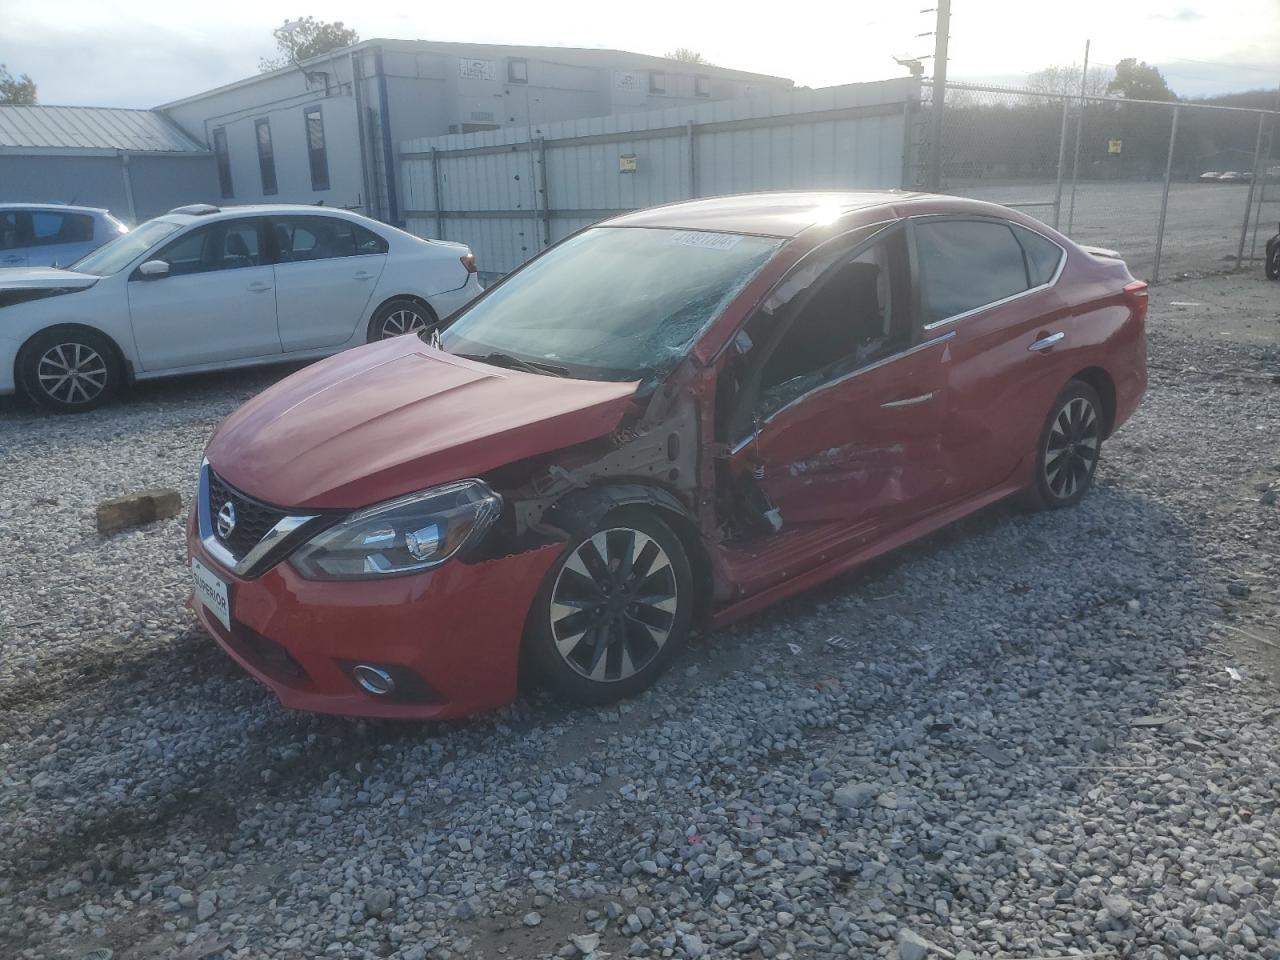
(469, 261)
(1135, 294)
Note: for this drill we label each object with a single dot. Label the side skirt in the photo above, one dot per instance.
(839, 565)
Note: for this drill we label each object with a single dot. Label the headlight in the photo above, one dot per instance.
(400, 536)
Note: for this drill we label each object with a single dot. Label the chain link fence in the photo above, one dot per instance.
(1177, 188)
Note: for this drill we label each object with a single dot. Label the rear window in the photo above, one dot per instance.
(966, 264)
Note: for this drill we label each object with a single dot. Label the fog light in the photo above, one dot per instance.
(373, 680)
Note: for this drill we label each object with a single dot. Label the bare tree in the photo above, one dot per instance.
(685, 55)
(1065, 81)
(19, 90)
(305, 38)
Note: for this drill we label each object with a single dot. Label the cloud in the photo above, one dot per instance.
(1181, 15)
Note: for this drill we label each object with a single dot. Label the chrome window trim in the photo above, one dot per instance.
(244, 567)
(1062, 264)
(843, 379)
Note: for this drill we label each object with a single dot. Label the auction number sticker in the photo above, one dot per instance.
(707, 241)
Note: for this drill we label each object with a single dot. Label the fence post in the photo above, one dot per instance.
(1062, 162)
(693, 162)
(435, 192)
(1253, 182)
(942, 35)
(546, 198)
(1075, 163)
(1164, 199)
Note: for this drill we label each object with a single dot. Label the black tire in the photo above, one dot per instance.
(597, 618)
(401, 315)
(1069, 448)
(70, 369)
(1273, 258)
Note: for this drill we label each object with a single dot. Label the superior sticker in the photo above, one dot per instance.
(708, 241)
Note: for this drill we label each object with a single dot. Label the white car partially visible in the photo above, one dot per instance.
(203, 288)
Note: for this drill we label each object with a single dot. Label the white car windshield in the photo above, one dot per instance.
(115, 255)
(612, 303)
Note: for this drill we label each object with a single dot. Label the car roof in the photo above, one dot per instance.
(52, 207)
(260, 210)
(790, 213)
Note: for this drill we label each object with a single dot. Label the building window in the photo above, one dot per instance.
(702, 86)
(316, 154)
(657, 81)
(266, 158)
(224, 162)
(517, 71)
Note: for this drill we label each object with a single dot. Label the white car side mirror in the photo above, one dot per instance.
(154, 270)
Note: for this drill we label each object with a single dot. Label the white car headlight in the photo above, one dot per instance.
(405, 535)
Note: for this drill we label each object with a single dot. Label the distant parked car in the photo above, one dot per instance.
(43, 235)
(207, 289)
(1210, 176)
(1233, 176)
(1273, 173)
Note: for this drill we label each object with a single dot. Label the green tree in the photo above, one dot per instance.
(685, 55)
(307, 37)
(19, 90)
(1136, 80)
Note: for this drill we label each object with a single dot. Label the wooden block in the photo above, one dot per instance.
(135, 509)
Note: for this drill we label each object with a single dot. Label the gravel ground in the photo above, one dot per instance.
(1044, 735)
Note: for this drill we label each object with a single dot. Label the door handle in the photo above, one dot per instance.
(1044, 343)
(259, 287)
(362, 275)
(907, 402)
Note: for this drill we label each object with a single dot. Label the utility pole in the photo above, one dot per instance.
(941, 34)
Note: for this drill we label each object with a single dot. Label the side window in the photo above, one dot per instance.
(844, 311)
(1043, 255)
(369, 242)
(517, 71)
(50, 228)
(10, 231)
(316, 238)
(965, 264)
(228, 245)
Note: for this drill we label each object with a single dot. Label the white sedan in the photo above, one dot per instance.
(202, 288)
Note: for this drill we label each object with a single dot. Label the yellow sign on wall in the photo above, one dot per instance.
(1113, 146)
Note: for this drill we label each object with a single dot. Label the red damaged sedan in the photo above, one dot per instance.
(672, 418)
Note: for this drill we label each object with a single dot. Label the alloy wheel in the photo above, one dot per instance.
(72, 373)
(403, 321)
(1071, 451)
(613, 604)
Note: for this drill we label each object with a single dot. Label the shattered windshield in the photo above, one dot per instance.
(612, 303)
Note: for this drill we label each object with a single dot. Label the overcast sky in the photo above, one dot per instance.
(146, 52)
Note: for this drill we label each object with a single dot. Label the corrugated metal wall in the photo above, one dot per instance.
(509, 193)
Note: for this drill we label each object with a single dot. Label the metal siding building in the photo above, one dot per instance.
(362, 102)
(135, 163)
(510, 193)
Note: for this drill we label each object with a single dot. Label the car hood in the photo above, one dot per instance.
(44, 278)
(397, 416)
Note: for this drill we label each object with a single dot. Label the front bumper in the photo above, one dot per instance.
(453, 633)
